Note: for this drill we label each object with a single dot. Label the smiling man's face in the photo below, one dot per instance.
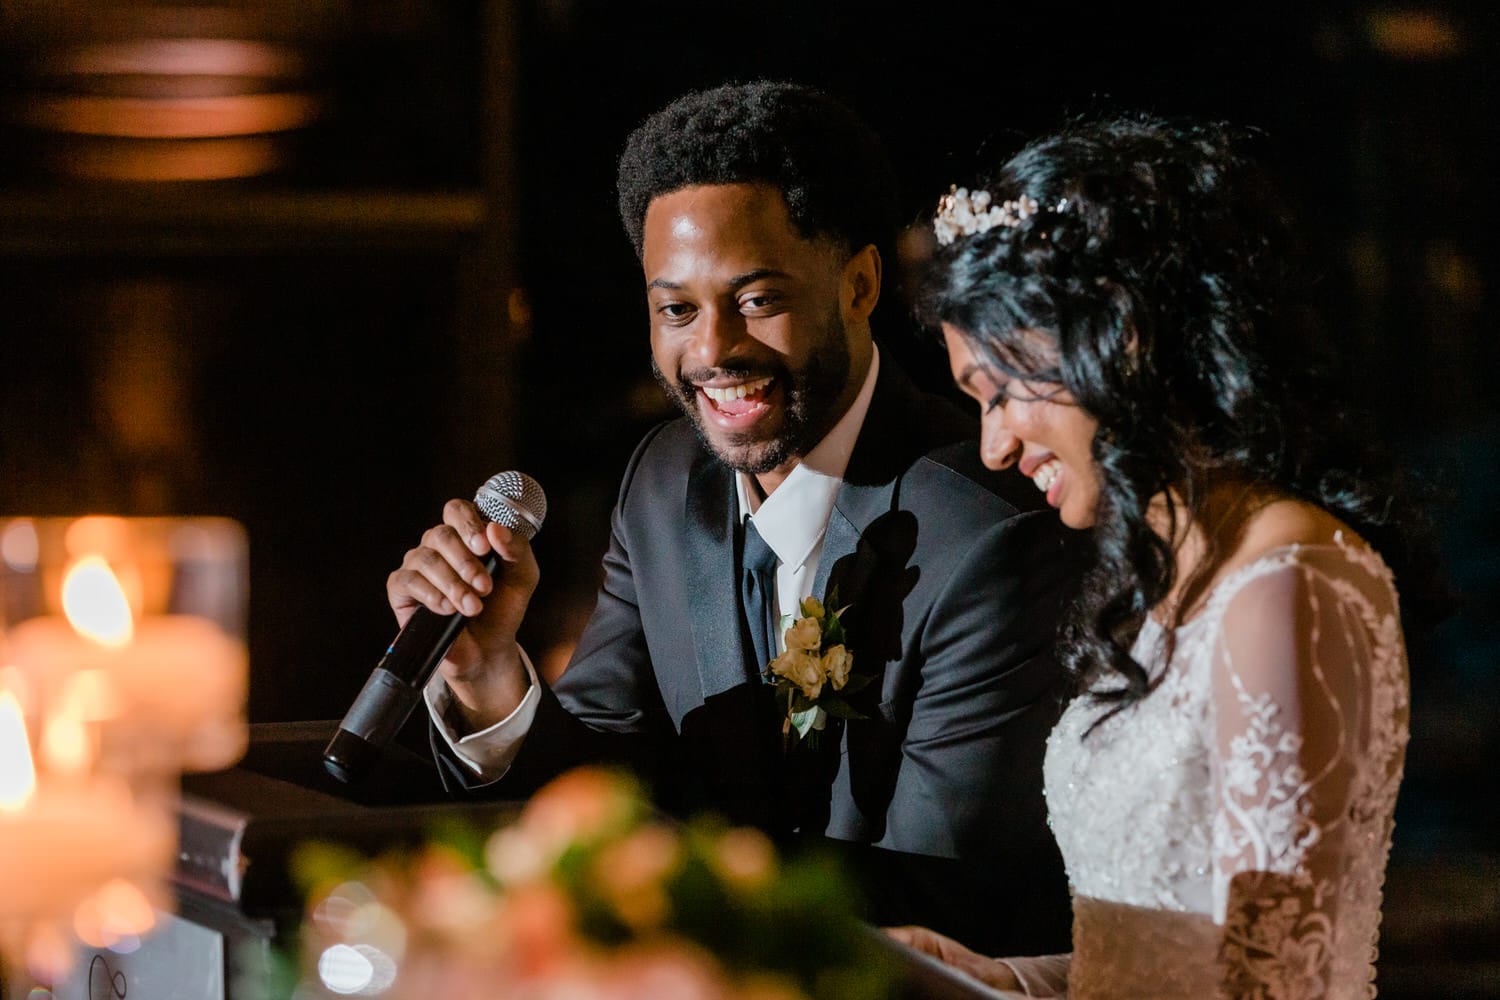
(758, 333)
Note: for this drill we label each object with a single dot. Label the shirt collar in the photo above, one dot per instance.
(792, 519)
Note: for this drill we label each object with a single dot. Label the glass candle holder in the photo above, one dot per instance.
(132, 631)
(123, 663)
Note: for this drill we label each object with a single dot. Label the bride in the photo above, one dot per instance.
(1117, 301)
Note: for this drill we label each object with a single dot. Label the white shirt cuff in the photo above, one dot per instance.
(488, 752)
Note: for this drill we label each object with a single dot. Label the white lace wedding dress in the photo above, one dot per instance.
(1228, 834)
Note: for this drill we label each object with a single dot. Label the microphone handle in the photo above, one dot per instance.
(394, 688)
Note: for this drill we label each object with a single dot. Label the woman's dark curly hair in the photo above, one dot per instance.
(1159, 272)
(830, 166)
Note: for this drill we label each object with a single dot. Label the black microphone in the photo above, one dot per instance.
(512, 499)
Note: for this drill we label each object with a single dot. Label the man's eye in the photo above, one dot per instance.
(996, 401)
(757, 300)
(674, 310)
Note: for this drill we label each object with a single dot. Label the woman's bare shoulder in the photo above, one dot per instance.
(1279, 522)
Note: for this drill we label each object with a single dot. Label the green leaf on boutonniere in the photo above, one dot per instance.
(833, 630)
(856, 682)
(835, 705)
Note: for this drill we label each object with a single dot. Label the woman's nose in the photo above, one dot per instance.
(998, 447)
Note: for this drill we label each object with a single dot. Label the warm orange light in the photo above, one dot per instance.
(66, 746)
(19, 547)
(1414, 34)
(95, 604)
(118, 910)
(183, 118)
(17, 772)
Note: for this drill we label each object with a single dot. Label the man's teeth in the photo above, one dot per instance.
(728, 392)
(1045, 476)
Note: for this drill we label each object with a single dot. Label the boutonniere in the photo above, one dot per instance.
(814, 676)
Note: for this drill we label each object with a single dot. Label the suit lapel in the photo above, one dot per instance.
(869, 540)
(839, 544)
(882, 449)
(719, 639)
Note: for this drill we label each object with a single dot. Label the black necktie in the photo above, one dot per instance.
(758, 593)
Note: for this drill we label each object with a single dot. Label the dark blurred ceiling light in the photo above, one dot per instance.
(1414, 33)
(165, 91)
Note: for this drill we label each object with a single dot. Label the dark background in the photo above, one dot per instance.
(429, 284)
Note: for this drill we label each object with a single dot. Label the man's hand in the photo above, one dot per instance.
(445, 573)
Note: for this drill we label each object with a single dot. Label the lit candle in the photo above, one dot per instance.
(107, 692)
(63, 838)
(171, 681)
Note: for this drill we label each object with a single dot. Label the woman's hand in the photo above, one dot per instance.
(990, 971)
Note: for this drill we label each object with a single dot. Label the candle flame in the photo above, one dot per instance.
(66, 747)
(95, 603)
(17, 772)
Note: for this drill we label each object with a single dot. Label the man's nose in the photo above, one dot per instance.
(716, 336)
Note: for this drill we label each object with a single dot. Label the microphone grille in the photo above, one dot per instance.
(515, 500)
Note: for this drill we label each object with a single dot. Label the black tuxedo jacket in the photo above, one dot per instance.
(954, 578)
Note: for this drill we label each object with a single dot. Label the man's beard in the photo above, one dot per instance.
(810, 398)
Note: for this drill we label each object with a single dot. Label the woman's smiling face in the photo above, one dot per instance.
(1035, 425)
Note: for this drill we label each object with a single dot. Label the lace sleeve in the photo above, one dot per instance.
(1309, 732)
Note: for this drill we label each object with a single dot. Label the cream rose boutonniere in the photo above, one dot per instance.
(814, 676)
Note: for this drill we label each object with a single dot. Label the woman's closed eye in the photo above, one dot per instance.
(1024, 391)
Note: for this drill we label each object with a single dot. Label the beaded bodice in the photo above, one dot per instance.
(1230, 831)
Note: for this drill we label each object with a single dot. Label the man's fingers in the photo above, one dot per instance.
(408, 588)
(431, 578)
(445, 557)
(468, 524)
(515, 549)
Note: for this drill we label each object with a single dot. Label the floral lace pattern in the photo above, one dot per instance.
(1228, 834)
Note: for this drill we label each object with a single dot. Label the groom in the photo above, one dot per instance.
(758, 213)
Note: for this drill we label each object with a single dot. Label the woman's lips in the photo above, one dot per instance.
(1048, 479)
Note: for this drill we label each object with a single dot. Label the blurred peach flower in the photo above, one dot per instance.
(586, 895)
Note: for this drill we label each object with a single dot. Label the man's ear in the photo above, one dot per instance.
(861, 284)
